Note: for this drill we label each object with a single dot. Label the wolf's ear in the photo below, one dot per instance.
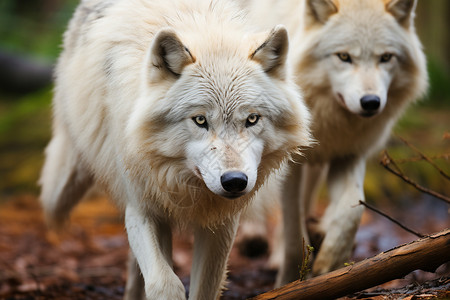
(168, 55)
(272, 53)
(402, 10)
(318, 11)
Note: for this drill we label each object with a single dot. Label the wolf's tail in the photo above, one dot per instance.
(63, 181)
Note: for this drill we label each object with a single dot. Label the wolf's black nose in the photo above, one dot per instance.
(234, 181)
(370, 103)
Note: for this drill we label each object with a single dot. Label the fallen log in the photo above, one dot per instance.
(426, 254)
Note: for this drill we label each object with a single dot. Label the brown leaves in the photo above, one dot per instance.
(37, 262)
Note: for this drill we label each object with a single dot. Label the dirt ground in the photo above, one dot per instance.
(87, 260)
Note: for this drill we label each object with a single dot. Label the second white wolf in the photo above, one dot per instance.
(359, 63)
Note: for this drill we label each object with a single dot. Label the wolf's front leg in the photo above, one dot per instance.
(342, 217)
(211, 250)
(296, 203)
(135, 289)
(292, 231)
(151, 242)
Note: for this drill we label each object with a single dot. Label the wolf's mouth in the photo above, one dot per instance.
(341, 100)
(198, 173)
(232, 196)
(368, 114)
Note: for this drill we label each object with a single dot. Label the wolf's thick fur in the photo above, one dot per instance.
(360, 64)
(180, 111)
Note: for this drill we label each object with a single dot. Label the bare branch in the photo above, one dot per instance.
(424, 157)
(426, 254)
(391, 219)
(386, 161)
(445, 156)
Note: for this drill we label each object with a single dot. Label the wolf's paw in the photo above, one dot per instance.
(321, 267)
(165, 289)
(315, 233)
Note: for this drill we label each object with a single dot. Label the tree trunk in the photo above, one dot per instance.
(427, 254)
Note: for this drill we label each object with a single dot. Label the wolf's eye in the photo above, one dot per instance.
(200, 121)
(345, 57)
(385, 57)
(252, 120)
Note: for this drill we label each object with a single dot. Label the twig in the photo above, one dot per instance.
(391, 219)
(419, 158)
(387, 160)
(307, 250)
(425, 158)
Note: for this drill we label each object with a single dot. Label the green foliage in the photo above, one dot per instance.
(33, 28)
(33, 31)
(14, 115)
(439, 93)
(24, 131)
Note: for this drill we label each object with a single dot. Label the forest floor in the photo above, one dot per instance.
(87, 259)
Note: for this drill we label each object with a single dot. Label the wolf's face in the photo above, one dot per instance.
(226, 147)
(360, 73)
(230, 129)
(361, 48)
(222, 116)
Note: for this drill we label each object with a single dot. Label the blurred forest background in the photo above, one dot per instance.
(30, 38)
(33, 260)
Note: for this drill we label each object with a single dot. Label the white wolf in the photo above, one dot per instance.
(359, 63)
(180, 111)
